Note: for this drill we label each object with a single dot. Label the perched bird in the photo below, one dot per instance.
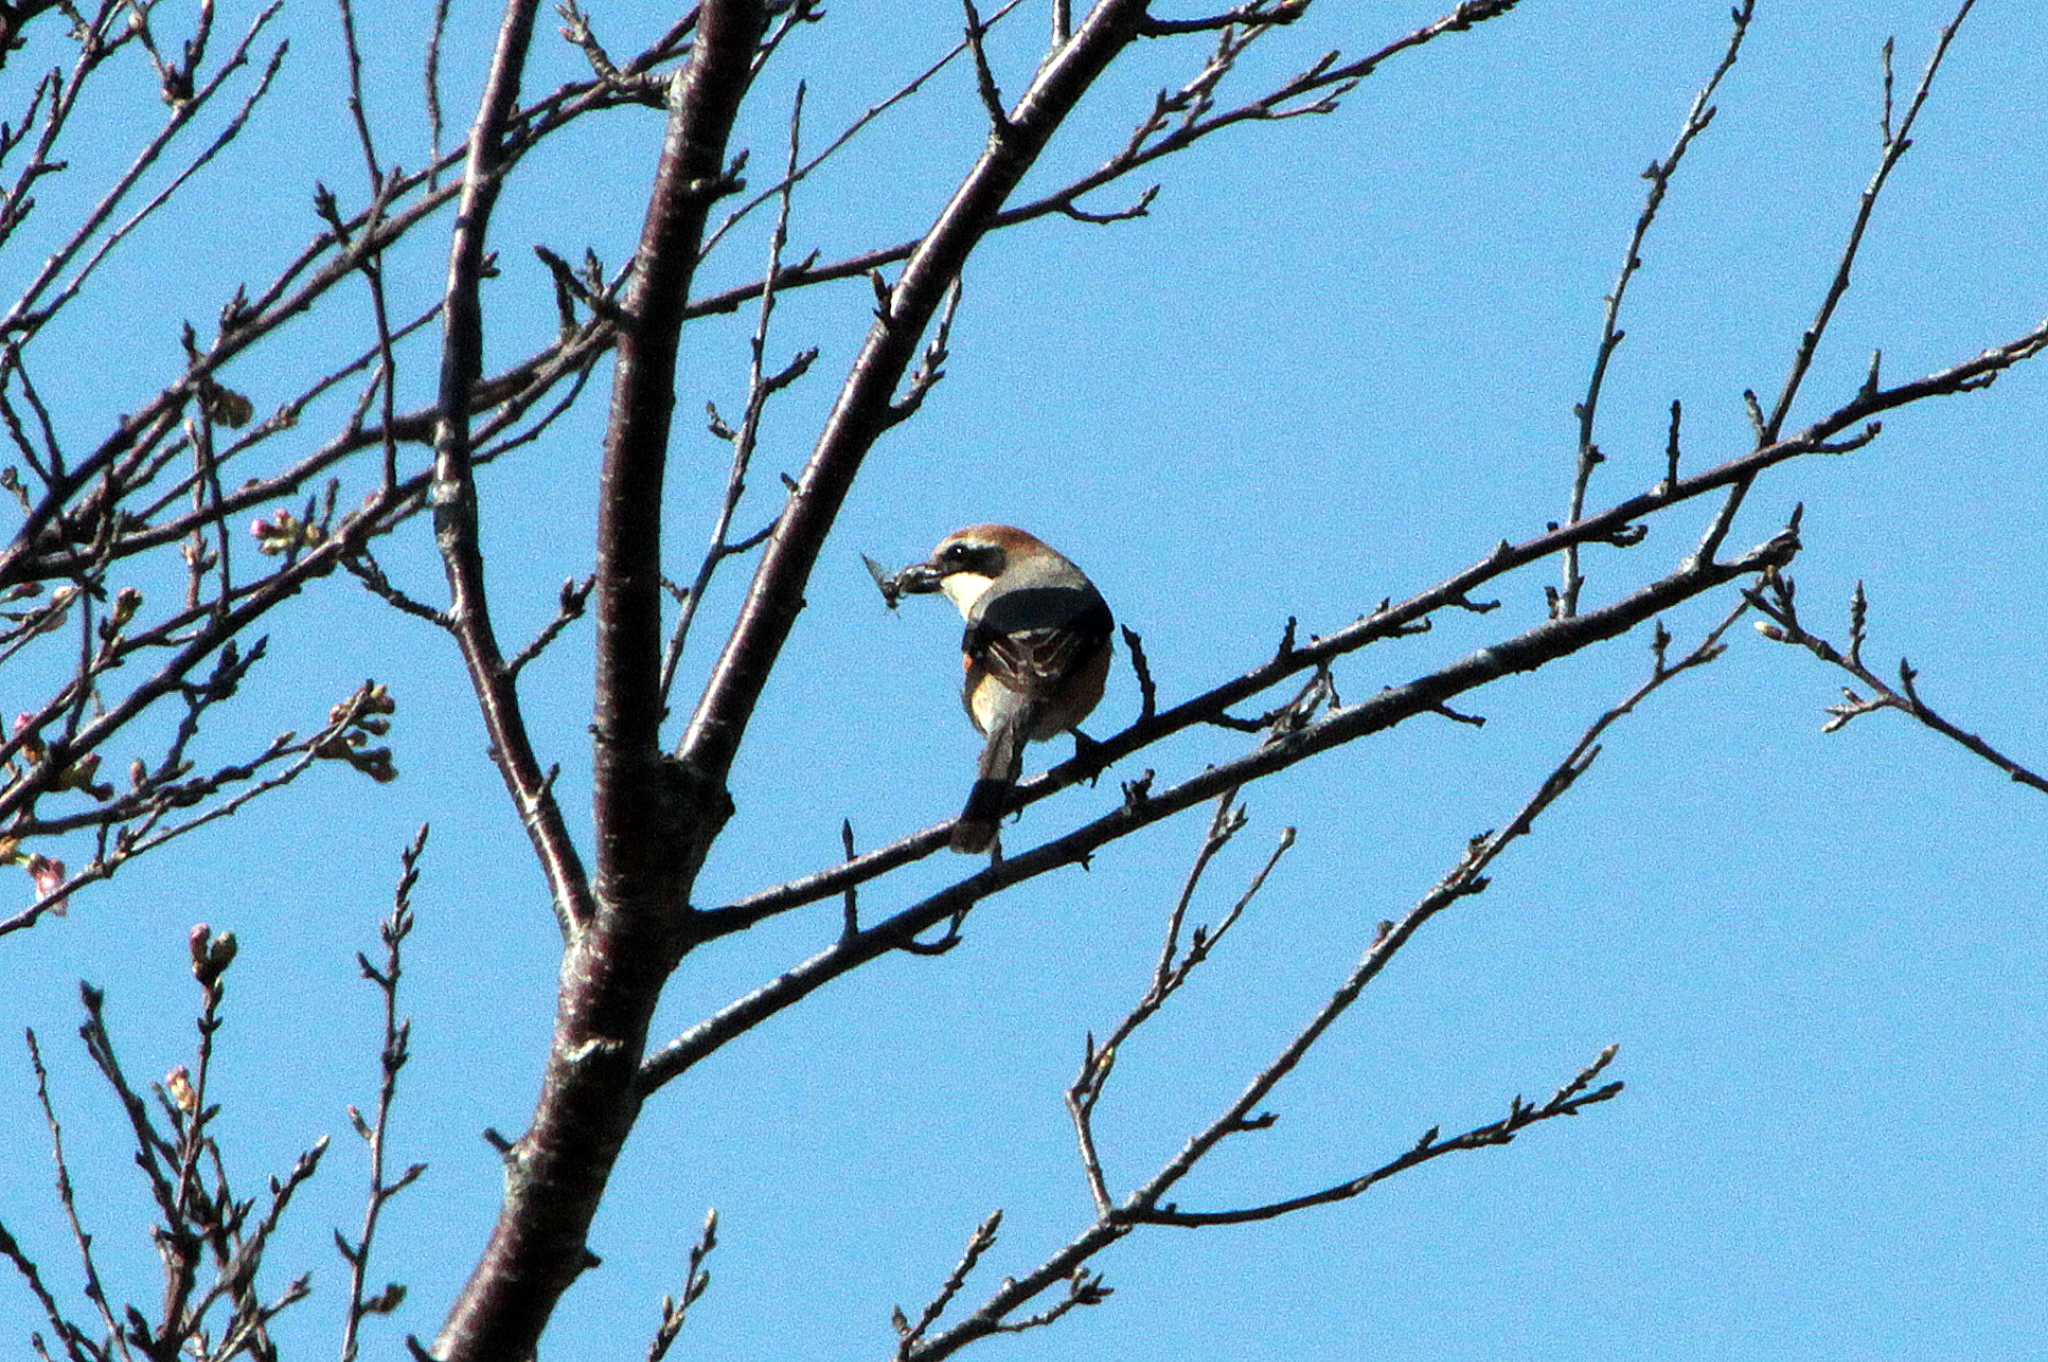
(1036, 652)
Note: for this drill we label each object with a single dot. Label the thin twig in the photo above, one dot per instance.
(978, 1243)
(1171, 971)
(1775, 598)
(675, 1309)
(391, 1058)
(455, 495)
(1571, 1099)
(1895, 148)
(853, 129)
(761, 386)
(95, 1291)
(1587, 409)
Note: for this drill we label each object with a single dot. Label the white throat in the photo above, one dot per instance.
(965, 588)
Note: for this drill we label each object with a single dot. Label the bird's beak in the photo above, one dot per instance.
(918, 579)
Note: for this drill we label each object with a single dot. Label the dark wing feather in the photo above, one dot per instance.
(1031, 640)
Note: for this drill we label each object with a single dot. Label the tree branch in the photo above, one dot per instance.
(625, 940)
(1776, 597)
(1146, 1205)
(1526, 652)
(761, 386)
(1587, 410)
(1895, 147)
(1968, 376)
(454, 488)
(1569, 1100)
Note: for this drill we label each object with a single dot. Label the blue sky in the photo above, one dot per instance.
(1337, 363)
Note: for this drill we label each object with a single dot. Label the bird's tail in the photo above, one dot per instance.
(1001, 761)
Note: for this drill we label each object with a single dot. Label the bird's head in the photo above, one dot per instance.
(967, 563)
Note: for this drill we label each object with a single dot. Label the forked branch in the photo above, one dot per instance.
(1776, 598)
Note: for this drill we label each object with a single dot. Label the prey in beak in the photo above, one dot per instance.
(916, 580)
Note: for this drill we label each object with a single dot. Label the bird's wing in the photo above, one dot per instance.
(1032, 639)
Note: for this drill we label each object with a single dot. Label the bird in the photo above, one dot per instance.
(1036, 653)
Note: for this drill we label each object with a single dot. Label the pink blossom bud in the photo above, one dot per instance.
(49, 876)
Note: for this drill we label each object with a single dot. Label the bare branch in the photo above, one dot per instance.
(24, 318)
(431, 74)
(1659, 175)
(984, 77)
(1147, 1205)
(1171, 971)
(1210, 706)
(761, 386)
(1526, 652)
(1260, 13)
(1775, 598)
(978, 1243)
(392, 1057)
(932, 367)
(1569, 1100)
(852, 130)
(1895, 148)
(1148, 693)
(365, 569)
(1327, 79)
(454, 487)
(95, 1291)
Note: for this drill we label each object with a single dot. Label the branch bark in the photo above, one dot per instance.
(636, 871)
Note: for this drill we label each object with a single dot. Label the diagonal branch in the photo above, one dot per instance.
(1146, 1205)
(1172, 971)
(1896, 145)
(1254, 15)
(1569, 1100)
(796, 175)
(1969, 375)
(1776, 597)
(24, 318)
(454, 487)
(761, 386)
(1327, 79)
(863, 409)
(95, 1289)
(1537, 648)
